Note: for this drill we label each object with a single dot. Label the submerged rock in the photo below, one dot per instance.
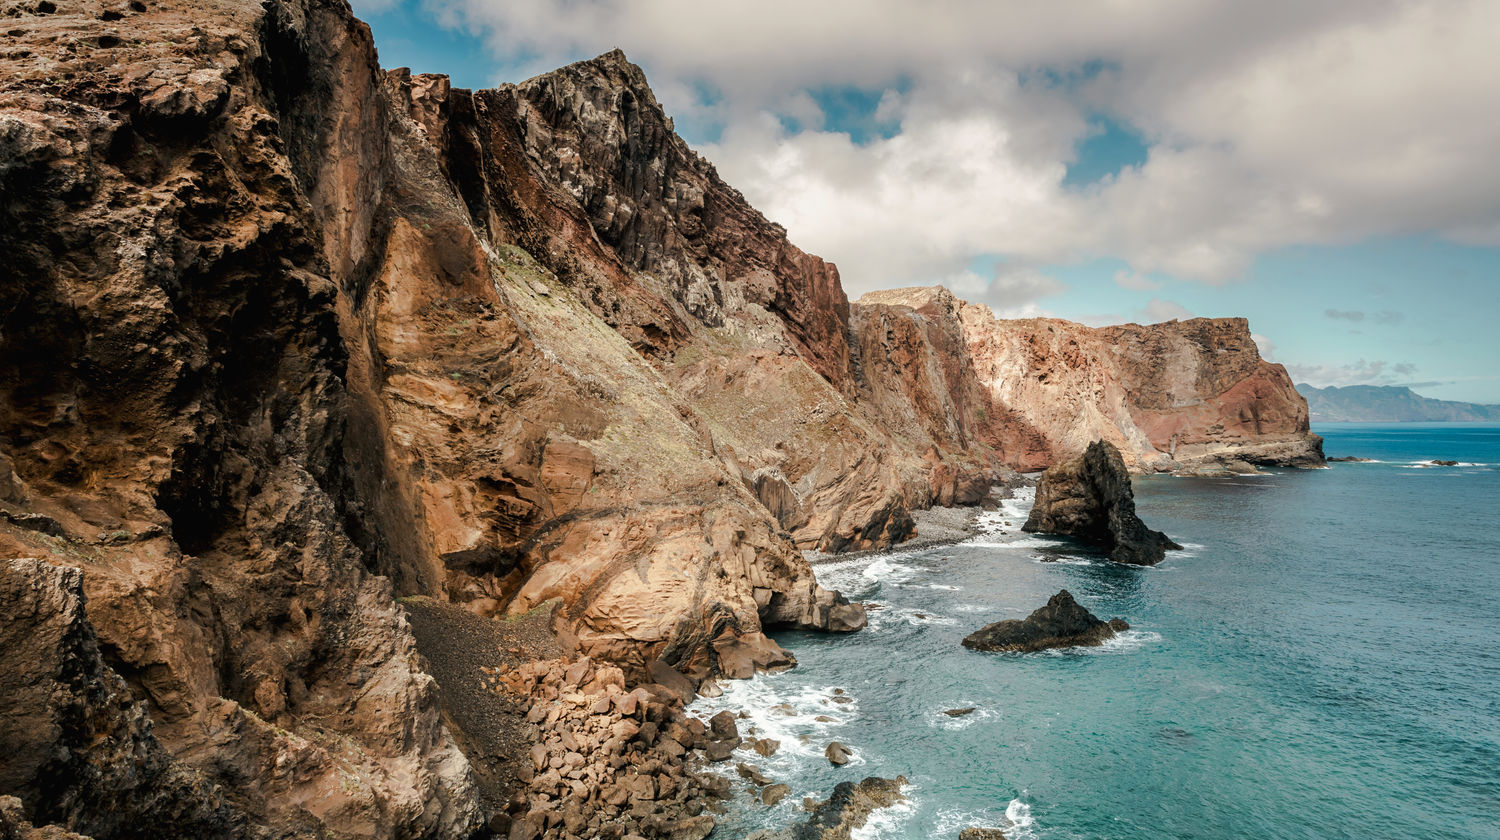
(1089, 497)
(1062, 623)
(1349, 459)
(960, 712)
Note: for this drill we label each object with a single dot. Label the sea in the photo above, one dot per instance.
(1321, 661)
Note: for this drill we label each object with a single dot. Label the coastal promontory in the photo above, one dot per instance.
(297, 348)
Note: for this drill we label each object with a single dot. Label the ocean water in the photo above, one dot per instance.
(1323, 661)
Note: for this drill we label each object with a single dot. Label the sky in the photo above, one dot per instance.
(1329, 169)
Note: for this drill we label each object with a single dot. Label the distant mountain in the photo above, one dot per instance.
(1388, 404)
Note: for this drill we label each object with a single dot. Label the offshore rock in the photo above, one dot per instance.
(1061, 623)
(1089, 497)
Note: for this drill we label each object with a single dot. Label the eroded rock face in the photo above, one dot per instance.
(1061, 623)
(1089, 497)
(1170, 395)
(79, 748)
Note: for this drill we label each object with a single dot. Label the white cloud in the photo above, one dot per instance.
(1135, 281)
(1355, 373)
(1271, 124)
(1266, 346)
(1157, 310)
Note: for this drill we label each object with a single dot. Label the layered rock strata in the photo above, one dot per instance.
(1170, 395)
(1089, 497)
(1063, 622)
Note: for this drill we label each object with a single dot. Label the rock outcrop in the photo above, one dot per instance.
(1061, 623)
(838, 816)
(1170, 395)
(1089, 497)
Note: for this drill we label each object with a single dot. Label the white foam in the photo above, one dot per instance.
(942, 720)
(884, 571)
(787, 714)
(1016, 821)
(909, 615)
(1063, 559)
(1129, 641)
(1027, 541)
(1022, 824)
(886, 822)
(1430, 464)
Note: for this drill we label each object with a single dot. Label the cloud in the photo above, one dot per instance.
(1158, 310)
(1265, 345)
(1385, 317)
(1015, 291)
(1136, 282)
(1355, 373)
(1269, 124)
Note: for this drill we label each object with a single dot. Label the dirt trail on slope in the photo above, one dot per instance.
(490, 727)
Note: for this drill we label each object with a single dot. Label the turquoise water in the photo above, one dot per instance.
(1322, 662)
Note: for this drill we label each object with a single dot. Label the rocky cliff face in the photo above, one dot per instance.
(286, 337)
(1180, 393)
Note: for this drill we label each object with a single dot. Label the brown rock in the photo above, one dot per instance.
(1061, 623)
(1090, 497)
(981, 834)
(672, 680)
(720, 750)
(766, 747)
(773, 794)
(723, 725)
(837, 754)
(747, 772)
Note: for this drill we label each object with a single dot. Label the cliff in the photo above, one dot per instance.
(1389, 404)
(1170, 395)
(287, 337)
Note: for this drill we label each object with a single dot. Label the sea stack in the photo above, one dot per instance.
(1062, 623)
(1089, 497)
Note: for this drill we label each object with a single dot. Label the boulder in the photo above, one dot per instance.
(1089, 497)
(838, 755)
(981, 834)
(1062, 623)
(774, 794)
